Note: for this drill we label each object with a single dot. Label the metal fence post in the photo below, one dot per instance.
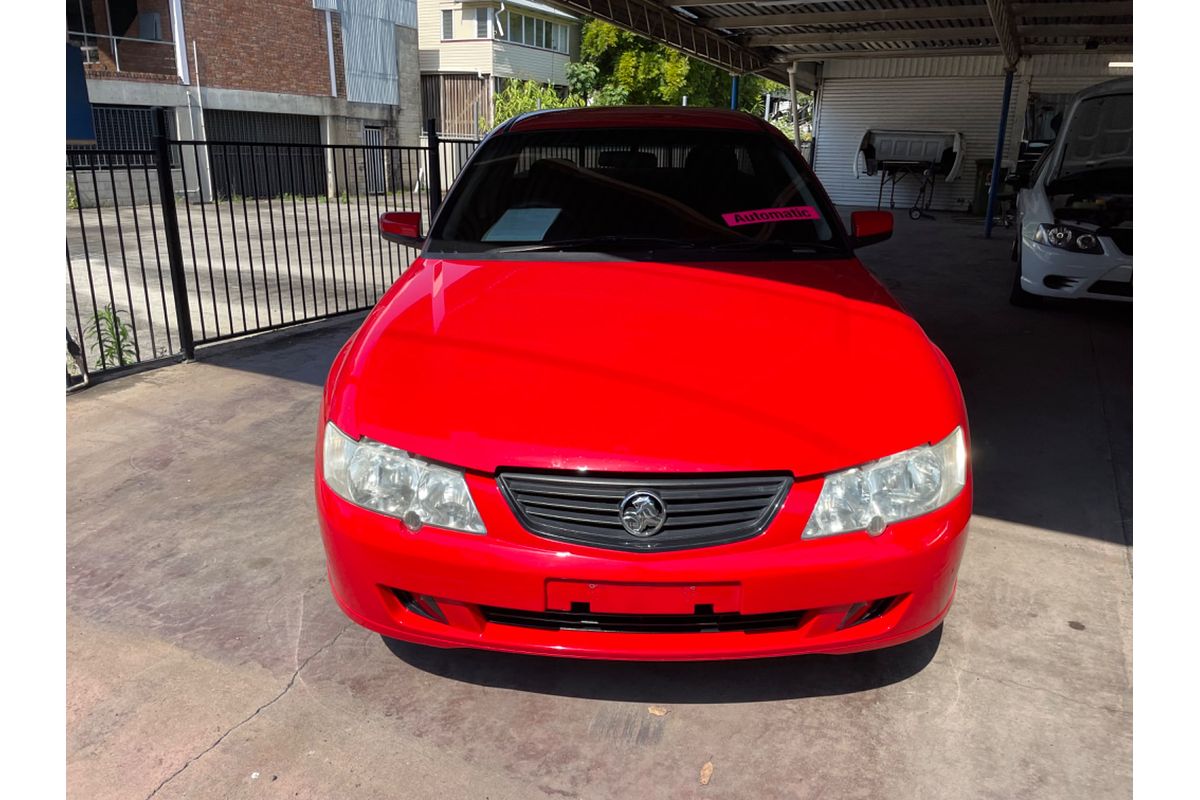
(994, 189)
(166, 195)
(435, 167)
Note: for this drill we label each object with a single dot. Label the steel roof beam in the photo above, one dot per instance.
(914, 52)
(851, 17)
(1119, 8)
(1006, 31)
(803, 57)
(699, 3)
(1081, 31)
(652, 20)
(871, 37)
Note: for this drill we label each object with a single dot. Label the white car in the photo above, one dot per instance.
(1076, 212)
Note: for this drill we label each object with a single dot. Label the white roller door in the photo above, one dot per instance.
(968, 105)
(960, 94)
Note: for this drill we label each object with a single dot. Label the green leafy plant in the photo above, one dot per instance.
(112, 339)
(72, 197)
(617, 67)
(519, 97)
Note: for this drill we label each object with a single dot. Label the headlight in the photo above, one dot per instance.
(1067, 237)
(392, 482)
(906, 485)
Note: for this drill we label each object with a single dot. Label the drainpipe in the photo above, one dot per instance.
(203, 127)
(329, 49)
(181, 62)
(733, 94)
(994, 189)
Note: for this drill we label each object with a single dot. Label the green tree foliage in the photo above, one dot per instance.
(518, 97)
(617, 67)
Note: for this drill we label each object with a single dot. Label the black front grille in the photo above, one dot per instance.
(1060, 282)
(644, 623)
(701, 510)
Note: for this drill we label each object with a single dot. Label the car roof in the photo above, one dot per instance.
(1115, 86)
(633, 117)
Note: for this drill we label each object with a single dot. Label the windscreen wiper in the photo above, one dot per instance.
(777, 246)
(624, 242)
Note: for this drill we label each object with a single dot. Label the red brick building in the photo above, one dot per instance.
(296, 71)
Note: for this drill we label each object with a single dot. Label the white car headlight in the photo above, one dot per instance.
(390, 481)
(906, 485)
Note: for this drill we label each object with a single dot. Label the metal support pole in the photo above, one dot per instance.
(112, 37)
(733, 94)
(792, 99)
(435, 167)
(166, 196)
(994, 189)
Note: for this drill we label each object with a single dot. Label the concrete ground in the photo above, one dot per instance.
(206, 658)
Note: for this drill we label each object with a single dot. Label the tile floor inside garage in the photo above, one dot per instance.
(206, 658)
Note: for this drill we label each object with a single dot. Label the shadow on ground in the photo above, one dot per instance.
(303, 353)
(1049, 390)
(676, 682)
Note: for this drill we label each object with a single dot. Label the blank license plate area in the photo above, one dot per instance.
(643, 598)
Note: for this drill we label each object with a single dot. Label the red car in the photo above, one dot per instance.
(638, 399)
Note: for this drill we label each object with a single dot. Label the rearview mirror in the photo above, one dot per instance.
(402, 227)
(870, 227)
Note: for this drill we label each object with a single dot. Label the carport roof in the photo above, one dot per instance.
(765, 36)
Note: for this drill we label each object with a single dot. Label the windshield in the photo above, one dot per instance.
(1099, 136)
(613, 190)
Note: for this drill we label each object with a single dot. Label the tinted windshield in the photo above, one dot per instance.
(1099, 136)
(644, 189)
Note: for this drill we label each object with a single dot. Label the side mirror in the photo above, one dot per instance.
(870, 227)
(402, 227)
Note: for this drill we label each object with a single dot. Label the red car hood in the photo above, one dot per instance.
(803, 366)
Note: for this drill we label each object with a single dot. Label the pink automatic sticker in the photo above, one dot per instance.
(762, 215)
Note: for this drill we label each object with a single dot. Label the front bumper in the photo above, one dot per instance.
(374, 563)
(1053, 272)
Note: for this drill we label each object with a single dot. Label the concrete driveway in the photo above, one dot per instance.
(206, 658)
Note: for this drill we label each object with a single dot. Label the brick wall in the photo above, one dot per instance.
(266, 46)
(144, 60)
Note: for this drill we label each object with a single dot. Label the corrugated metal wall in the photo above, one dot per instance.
(961, 93)
(851, 106)
(259, 170)
(369, 45)
(940, 67)
(529, 63)
(1067, 74)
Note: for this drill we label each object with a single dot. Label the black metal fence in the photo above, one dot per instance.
(195, 242)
